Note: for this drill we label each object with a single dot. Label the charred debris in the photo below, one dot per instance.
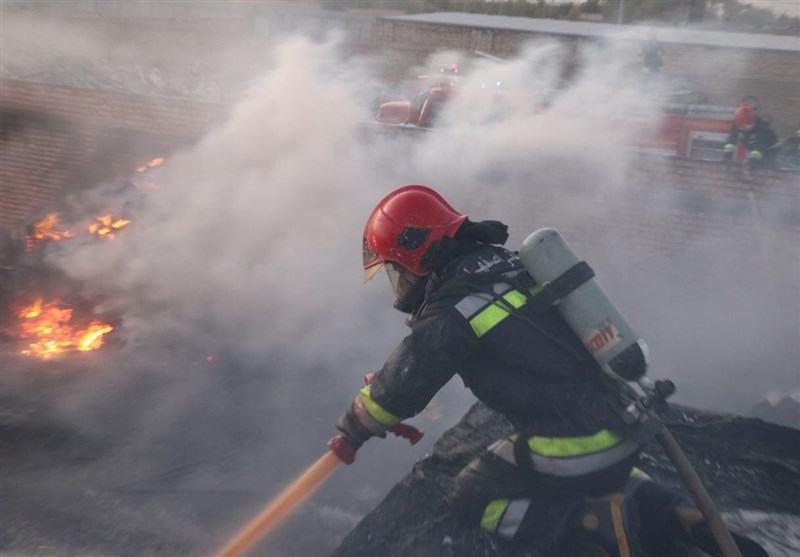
(750, 467)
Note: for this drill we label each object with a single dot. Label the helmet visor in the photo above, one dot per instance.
(409, 289)
(398, 276)
(371, 272)
(368, 256)
(393, 271)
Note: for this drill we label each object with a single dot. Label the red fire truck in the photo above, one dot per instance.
(692, 131)
(686, 130)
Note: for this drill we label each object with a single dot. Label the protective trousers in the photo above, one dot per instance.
(617, 511)
(575, 515)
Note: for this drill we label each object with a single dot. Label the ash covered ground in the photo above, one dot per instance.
(105, 488)
(145, 471)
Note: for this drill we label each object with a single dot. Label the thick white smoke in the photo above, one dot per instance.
(246, 241)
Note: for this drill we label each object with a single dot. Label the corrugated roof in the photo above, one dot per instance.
(720, 39)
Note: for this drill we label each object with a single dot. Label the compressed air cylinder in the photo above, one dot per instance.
(590, 313)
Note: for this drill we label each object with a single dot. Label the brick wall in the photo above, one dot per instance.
(110, 109)
(773, 77)
(717, 203)
(724, 75)
(57, 140)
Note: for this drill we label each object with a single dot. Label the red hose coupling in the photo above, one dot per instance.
(343, 450)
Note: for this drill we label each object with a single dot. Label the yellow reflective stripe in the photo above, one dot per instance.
(376, 410)
(492, 515)
(495, 313)
(573, 446)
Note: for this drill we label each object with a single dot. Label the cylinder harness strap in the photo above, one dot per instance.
(553, 291)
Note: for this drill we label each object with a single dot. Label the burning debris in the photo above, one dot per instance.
(46, 326)
(142, 178)
(158, 161)
(46, 229)
(104, 227)
(49, 330)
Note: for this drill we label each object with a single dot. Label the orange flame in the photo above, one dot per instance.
(48, 327)
(104, 226)
(158, 161)
(45, 229)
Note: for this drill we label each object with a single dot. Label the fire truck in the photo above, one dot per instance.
(422, 112)
(692, 131)
(695, 131)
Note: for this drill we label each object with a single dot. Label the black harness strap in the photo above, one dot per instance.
(549, 294)
(557, 289)
(522, 454)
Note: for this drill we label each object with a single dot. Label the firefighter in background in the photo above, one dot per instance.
(755, 134)
(652, 54)
(566, 478)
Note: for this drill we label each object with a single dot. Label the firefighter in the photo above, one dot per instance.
(652, 54)
(566, 477)
(757, 136)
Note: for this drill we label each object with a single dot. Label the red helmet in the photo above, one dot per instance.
(745, 116)
(403, 226)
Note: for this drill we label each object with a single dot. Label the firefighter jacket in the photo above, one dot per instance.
(526, 365)
(760, 138)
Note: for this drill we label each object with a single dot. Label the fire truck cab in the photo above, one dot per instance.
(422, 112)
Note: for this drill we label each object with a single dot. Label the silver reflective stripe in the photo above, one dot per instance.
(580, 465)
(504, 449)
(512, 518)
(640, 475)
(474, 303)
(637, 480)
(471, 305)
(501, 288)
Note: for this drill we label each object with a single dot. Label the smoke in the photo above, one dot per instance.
(251, 221)
(245, 326)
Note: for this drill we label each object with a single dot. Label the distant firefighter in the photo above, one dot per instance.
(755, 134)
(652, 53)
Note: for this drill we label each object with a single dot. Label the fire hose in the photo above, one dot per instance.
(658, 393)
(296, 493)
(281, 506)
(291, 497)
